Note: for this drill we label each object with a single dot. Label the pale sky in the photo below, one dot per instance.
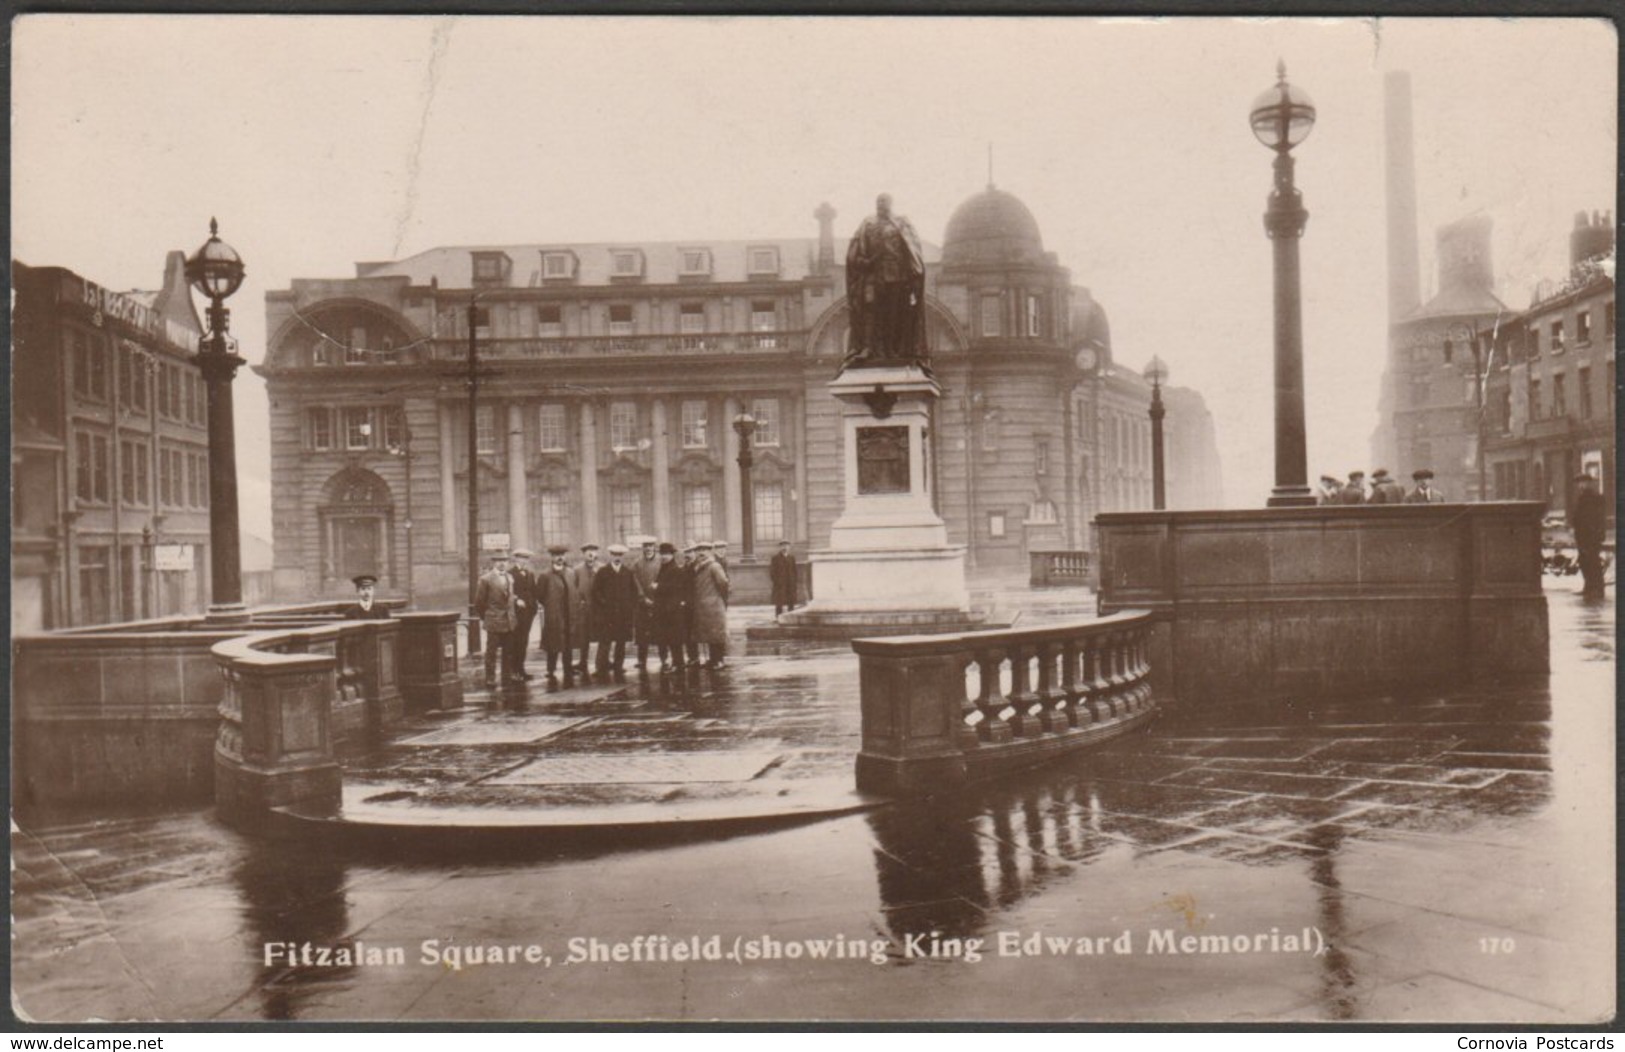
(323, 141)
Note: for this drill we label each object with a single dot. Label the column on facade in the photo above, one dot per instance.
(803, 528)
(448, 482)
(662, 476)
(518, 507)
(589, 472)
(732, 520)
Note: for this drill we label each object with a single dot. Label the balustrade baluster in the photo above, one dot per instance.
(1051, 697)
(1024, 722)
(990, 699)
(1072, 688)
(1099, 685)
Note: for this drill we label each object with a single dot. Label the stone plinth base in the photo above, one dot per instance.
(882, 591)
(245, 796)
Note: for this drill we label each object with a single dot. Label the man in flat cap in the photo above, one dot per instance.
(1330, 487)
(365, 608)
(670, 603)
(494, 606)
(527, 601)
(1590, 523)
(557, 585)
(1354, 492)
(645, 571)
(585, 630)
(1384, 488)
(1424, 493)
(615, 611)
(719, 552)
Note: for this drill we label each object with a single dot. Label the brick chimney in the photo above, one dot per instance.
(826, 238)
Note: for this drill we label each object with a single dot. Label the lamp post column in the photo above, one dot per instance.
(217, 271)
(219, 367)
(1159, 488)
(1284, 222)
(745, 425)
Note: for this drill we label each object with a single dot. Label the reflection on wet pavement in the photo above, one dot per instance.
(1450, 855)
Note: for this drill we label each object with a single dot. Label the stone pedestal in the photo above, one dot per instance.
(889, 566)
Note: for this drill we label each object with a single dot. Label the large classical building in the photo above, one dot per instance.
(610, 375)
(109, 451)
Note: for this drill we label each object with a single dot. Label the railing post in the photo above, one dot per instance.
(913, 718)
(428, 661)
(274, 747)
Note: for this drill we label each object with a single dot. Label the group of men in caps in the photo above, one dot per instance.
(1385, 489)
(661, 599)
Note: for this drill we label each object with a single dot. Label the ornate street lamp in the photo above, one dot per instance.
(1281, 119)
(745, 425)
(1156, 372)
(216, 271)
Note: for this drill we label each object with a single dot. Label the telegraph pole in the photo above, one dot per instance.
(473, 480)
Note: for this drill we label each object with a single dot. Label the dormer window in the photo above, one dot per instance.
(625, 263)
(491, 268)
(763, 261)
(558, 266)
(694, 262)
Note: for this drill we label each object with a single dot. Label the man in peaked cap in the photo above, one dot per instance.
(1354, 492)
(1384, 490)
(1424, 493)
(365, 608)
(494, 605)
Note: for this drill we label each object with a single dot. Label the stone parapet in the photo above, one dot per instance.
(1284, 602)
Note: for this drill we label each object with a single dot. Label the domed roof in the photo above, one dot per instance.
(993, 228)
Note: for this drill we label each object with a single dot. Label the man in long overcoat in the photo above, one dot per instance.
(494, 606)
(644, 572)
(559, 605)
(585, 630)
(711, 607)
(527, 601)
(1590, 523)
(614, 610)
(672, 589)
(782, 574)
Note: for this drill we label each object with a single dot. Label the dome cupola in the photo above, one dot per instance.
(993, 228)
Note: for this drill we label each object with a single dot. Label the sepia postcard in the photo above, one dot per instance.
(1047, 520)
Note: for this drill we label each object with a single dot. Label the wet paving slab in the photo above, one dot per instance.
(1449, 855)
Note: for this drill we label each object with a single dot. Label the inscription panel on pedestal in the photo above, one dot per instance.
(882, 460)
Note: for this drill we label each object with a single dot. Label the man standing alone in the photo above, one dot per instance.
(782, 574)
(1590, 522)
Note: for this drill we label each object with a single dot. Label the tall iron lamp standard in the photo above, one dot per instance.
(216, 270)
(1281, 118)
(1156, 373)
(1468, 336)
(745, 425)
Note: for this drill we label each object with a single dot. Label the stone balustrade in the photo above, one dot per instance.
(940, 710)
(1059, 569)
(133, 712)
